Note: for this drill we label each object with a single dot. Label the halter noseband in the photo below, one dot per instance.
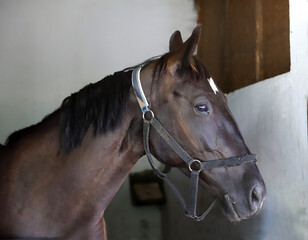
(195, 166)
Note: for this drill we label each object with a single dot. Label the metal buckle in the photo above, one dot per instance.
(191, 168)
(146, 117)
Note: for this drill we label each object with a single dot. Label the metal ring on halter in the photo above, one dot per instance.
(195, 161)
(145, 112)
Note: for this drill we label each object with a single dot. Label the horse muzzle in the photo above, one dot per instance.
(244, 207)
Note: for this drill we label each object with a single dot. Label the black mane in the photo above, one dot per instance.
(100, 104)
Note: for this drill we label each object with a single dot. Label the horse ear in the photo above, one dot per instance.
(191, 46)
(175, 42)
(183, 52)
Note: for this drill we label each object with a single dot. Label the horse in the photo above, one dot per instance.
(58, 176)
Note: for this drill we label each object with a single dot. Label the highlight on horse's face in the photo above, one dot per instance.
(195, 112)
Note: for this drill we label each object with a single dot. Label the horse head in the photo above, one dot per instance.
(195, 113)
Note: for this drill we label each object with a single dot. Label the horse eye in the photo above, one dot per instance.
(202, 108)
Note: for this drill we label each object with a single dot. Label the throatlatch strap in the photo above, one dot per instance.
(160, 174)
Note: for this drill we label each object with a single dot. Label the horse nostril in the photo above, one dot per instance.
(256, 197)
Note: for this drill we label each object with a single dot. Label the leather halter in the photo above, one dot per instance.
(195, 166)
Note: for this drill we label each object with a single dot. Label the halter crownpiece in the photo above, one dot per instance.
(194, 165)
(142, 101)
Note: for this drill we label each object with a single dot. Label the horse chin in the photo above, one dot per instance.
(234, 214)
(230, 211)
(231, 214)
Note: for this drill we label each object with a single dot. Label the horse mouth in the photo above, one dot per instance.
(229, 207)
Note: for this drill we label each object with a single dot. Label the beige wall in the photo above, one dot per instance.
(273, 117)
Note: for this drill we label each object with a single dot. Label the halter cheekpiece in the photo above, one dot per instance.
(194, 165)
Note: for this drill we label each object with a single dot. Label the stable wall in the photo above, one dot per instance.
(273, 118)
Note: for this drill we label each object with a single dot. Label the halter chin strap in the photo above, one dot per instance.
(194, 165)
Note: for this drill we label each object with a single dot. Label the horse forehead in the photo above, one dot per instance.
(212, 85)
(205, 86)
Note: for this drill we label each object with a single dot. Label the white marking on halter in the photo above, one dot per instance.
(212, 84)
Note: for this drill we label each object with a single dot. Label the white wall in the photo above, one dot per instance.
(273, 118)
(49, 49)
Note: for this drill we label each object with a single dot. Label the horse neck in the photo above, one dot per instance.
(102, 162)
(108, 159)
